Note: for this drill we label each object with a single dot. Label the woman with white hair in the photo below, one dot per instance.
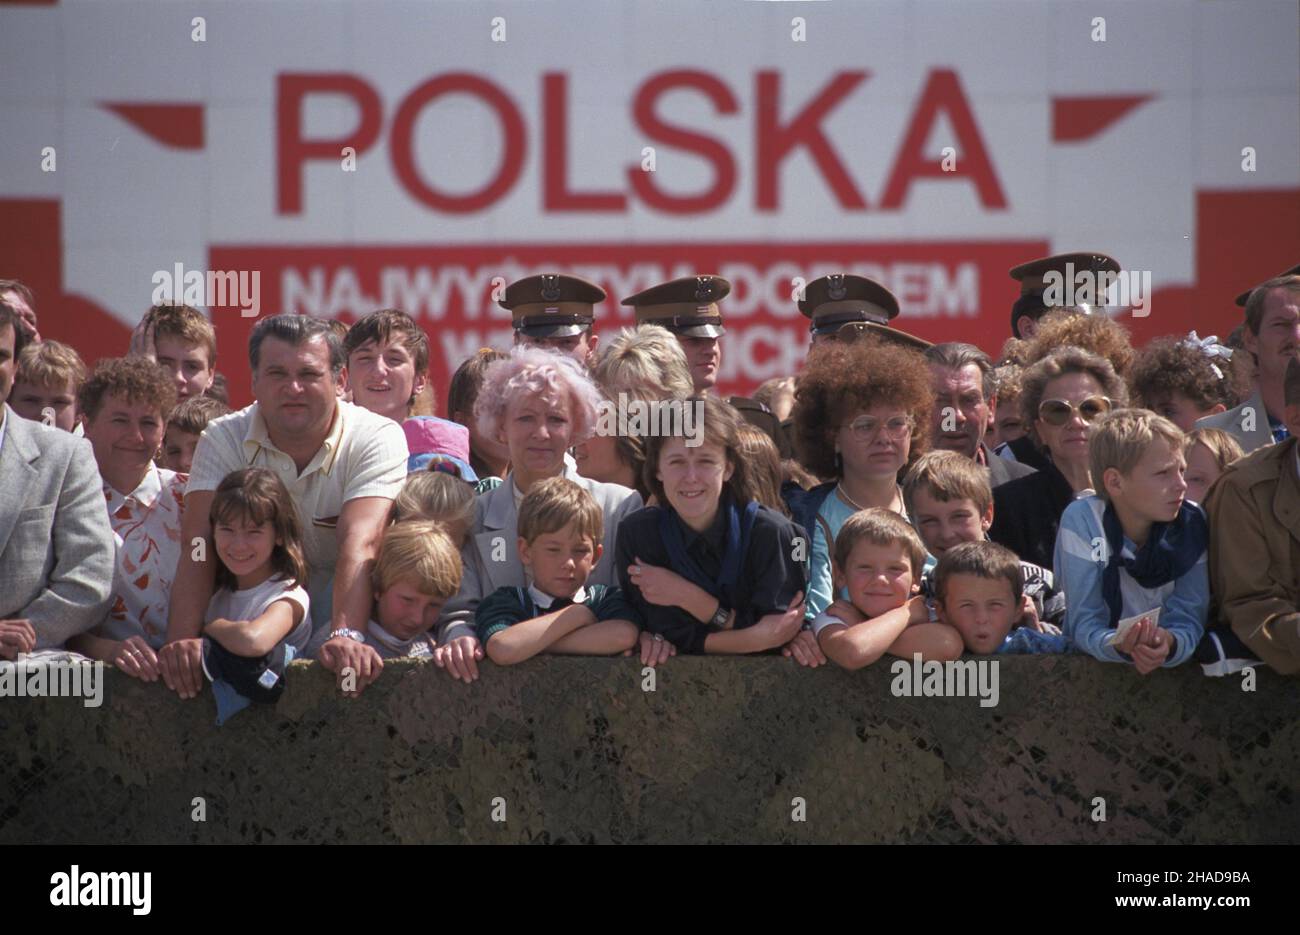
(538, 404)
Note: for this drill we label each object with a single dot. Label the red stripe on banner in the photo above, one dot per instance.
(1081, 118)
(179, 126)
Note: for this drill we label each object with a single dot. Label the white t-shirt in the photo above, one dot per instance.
(251, 603)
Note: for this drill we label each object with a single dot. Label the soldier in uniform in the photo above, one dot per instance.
(688, 307)
(1032, 278)
(555, 311)
(847, 307)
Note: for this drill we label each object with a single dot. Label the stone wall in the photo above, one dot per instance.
(722, 751)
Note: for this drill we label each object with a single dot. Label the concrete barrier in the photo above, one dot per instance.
(723, 750)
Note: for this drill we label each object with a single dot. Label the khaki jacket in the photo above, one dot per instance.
(1254, 511)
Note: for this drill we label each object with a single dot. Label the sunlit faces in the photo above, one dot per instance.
(597, 458)
(1202, 471)
(186, 364)
(1181, 411)
(245, 548)
(692, 478)
(1007, 423)
(125, 437)
(1069, 441)
(382, 377)
(1279, 335)
(405, 611)
(878, 577)
(178, 449)
(943, 524)
(875, 442)
(294, 387)
(961, 413)
(30, 400)
(983, 610)
(537, 430)
(1156, 487)
(559, 562)
(703, 357)
(580, 347)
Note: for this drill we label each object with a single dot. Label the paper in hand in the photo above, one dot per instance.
(1129, 623)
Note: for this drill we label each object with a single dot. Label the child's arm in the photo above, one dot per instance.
(769, 632)
(859, 645)
(932, 640)
(1087, 618)
(257, 637)
(527, 638)
(1185, 611)
(602, 638)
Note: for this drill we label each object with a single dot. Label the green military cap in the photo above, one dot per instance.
(1245, 296)
(688, 307)
(848, 306)
(552, 305)
(1032, 278)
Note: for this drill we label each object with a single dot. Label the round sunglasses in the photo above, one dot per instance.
(1059, 411)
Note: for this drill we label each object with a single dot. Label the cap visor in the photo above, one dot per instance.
(700, 331)
(552, 331)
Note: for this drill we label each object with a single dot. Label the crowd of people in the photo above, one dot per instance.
(1068, 493)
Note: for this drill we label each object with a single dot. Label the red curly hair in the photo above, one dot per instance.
(842, 380)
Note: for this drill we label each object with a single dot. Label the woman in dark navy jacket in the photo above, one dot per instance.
(710, 569)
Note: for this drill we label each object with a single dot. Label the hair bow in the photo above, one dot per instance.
(1211, 348)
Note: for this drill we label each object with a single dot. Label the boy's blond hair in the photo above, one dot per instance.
(553, 504)
(947, 476)
(1121, 438)
(437, 496)
(1221, 445)
(879, 527)
(986, 560)
(186, 323)
(50, 364)
(420, 552)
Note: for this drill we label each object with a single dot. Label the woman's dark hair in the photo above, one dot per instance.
(844, 379)
(720, 424)
(258, 496)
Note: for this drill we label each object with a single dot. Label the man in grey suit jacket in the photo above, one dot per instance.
(56, 545)
(1272, 338)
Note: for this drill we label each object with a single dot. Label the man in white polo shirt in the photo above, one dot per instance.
(342, 464)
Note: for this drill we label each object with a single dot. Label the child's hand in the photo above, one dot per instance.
(181, 662)
(340, 654)
(137, 659)
(142, 339)
(842, 610)
(654, 649)
(777, 629)
(16, 636)
(918, 611)
(1029, 614)
(1151, 655)
(1140, 632)
(662, 587)
(460, 658)
(805, 650)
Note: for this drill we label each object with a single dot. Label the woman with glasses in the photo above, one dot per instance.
(861, 417)
(1061, 397)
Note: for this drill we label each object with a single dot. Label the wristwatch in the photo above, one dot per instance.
(349, 633)
(719, 618)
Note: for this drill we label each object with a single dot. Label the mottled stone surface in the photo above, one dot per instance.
(580, 753)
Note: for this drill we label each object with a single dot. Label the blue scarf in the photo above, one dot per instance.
(683, 563)
(1172, 549)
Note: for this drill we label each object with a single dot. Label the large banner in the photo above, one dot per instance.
(332, 158)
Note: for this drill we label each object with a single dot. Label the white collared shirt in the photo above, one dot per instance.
(543, 601)
(147, 533)
(364, 455)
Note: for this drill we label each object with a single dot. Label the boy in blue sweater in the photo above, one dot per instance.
(979, 592)
(1132, 557)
